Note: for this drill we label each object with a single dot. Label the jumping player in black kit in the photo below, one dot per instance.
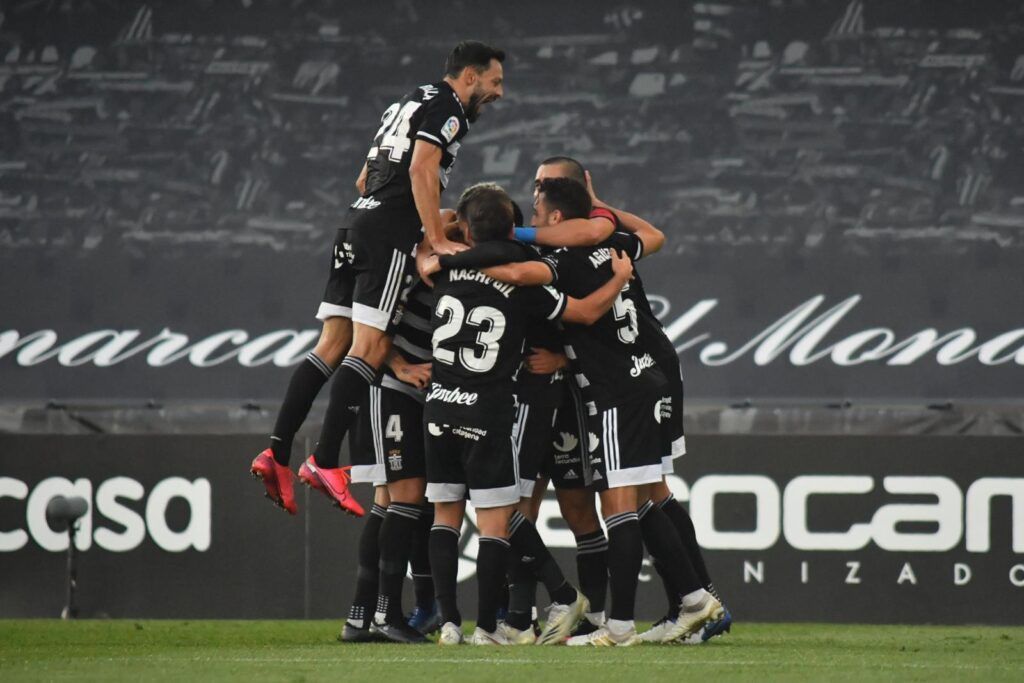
(478, 326)
(405, 171)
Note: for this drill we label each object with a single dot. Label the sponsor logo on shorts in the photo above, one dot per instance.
(450, 128)
(342, 255)
(566, 442)
(641, 363)
(455, 395)
(471, 433)
(570, 474)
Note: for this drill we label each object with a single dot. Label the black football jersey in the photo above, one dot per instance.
(478, 331)
(610, 362)
(432, 113)
(541, 390)
(412, 336)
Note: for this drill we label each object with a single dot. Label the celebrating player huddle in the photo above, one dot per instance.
(513, 357)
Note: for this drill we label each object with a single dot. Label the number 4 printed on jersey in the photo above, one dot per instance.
(394, 130)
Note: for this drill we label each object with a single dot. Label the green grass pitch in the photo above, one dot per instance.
(307, 650)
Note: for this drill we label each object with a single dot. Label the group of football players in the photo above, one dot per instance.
(474, 358)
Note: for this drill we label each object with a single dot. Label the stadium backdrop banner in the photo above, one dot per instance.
(206, 327)
(855, 529)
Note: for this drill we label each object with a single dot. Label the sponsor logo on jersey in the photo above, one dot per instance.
(455, 395)
(570, 474)
(663, 409)
(429, 92)
(434, 429)
(593, 442)
(640, 364)
(450, 128)
(365, 203)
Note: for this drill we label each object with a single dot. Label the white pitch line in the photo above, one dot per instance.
(556, 662)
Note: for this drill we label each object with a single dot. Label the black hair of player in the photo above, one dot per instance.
(517, 214)
(471, 53)
(575, 169)
(487, 209)
(565, 195)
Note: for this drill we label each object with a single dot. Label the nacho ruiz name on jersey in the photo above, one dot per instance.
(799, 336)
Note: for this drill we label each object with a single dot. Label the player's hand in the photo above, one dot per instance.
(427, 266)
(416, 374)
(431, 265)
(590, 190)
(446, 246)
(545, 362)
(622, 266)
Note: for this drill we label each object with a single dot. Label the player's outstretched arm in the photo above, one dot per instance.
(527, 274)
(589, 310)
(575, 232)
(424, 172)
(651, 238)
(427, 261)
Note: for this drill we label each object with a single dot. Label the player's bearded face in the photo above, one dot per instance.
(488, 88)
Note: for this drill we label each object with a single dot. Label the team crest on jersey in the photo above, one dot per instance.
(395, 460)
(450, 128)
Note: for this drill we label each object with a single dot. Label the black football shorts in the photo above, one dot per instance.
(372, 264)
(388, 438)
(629, 444)
(474, 462)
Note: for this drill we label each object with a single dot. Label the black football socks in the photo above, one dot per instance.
(680, 519)
(491, 563)
(527, 543)
(444, 565)
(307, 380)
(625, 556)
(665, 546)
(419, 561)
(352, 381)
(592, 568)
(367, 576)
(400, 525)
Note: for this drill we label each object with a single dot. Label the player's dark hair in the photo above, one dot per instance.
(471, 53)
(517, 214)
(574, 168)
(487, 208)
(566, 195)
